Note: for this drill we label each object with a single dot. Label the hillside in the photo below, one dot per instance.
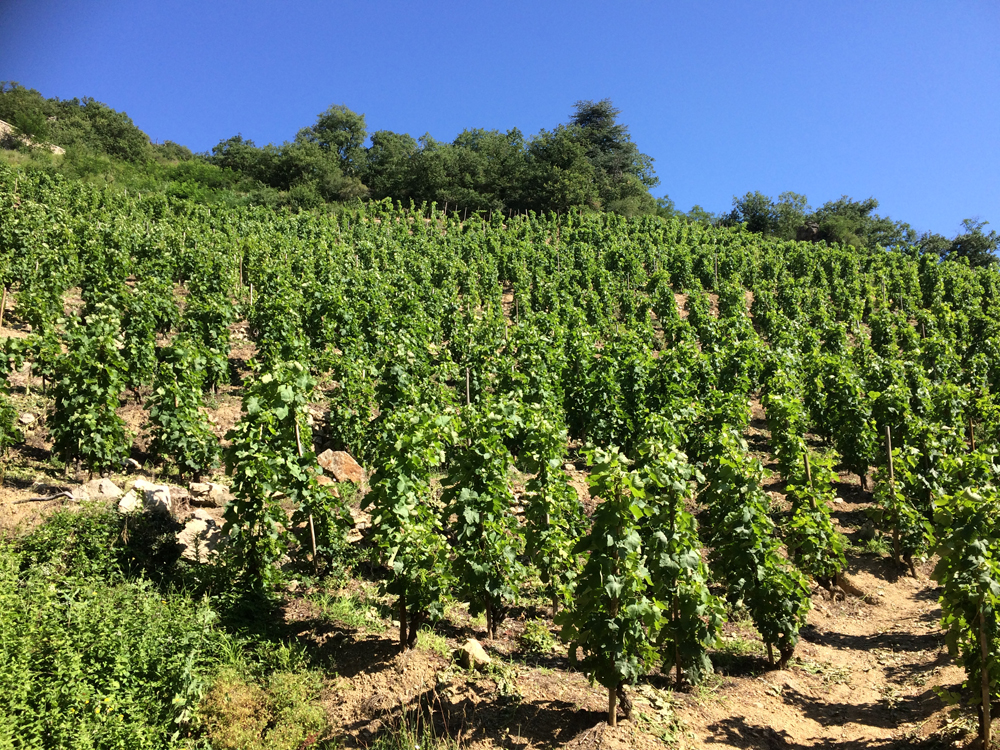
(672, 434)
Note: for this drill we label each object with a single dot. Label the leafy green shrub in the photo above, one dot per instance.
(612, 612)
(88, 663)
(536, 638)
(407, 526)
(97, 542)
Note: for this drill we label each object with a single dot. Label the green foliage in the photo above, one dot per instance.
(284, 713)
(613, 611)
(555, 517)
(407, 519)
(10, 434)
(271, 461)
(478, 494)
(84, 422)
(969, 573)
(691, 616)
(813, 543)
(178, 425)
(745, 550)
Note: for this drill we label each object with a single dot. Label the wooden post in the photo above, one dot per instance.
(312, 534)
(809, 478)
(716, 273)
(612, 707)
(984, 679)
(892, 494)
(468, 395)
(3, 303)
(972, 434)
(402, 622)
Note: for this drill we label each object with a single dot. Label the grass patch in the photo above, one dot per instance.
(352, 610)
(283, 713)
(428, 640)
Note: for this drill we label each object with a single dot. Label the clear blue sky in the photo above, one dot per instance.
(897, 100)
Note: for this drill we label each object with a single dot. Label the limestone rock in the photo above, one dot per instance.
(96, 489)
(200, 536)
(342, 466)
(472, 655)
(129, 503)
(131, 465)
(27, 419)
(208, 494)
(156, 497)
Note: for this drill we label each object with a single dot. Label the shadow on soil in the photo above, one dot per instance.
(475, 713)
(739, 733)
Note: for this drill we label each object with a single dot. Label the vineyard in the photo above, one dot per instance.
(665, 458)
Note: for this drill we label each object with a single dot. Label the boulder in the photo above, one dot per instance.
(97, 489)
(208, 494)
(472, 655)
(342, 466)
(156, 497)
(200, 536)
(130, 503)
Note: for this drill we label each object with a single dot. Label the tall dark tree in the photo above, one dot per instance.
(624, 174)
(978, 246)
(340, 131)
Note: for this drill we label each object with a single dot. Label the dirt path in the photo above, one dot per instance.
(863, 677)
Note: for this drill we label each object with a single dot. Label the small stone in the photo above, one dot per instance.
(200, 537)
(27, 419)
(324, 481)
(472, 655)
(343, 467)
(209, 494)
(362, 519)
(129, 503)
(131, 465)
(569, 467)
(156, 497)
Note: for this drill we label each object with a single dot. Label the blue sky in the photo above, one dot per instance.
(896, 100)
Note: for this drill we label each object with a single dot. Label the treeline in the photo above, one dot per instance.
(587, 164)
(853, 222)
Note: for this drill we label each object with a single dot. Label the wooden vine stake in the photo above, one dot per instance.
(312, 527)
(984, 677)
(892, 494)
